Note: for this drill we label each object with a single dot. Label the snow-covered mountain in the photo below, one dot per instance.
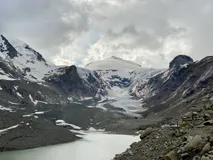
(119, 72)
(122, 76)
(20, 56)
(26, 77)
(20, 63)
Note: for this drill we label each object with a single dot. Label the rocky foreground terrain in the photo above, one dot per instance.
(187, 137)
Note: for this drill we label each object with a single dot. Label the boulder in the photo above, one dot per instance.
(172, 155)
(146, 132)
(207, 116)
(208, 123)
(210, 112)
(196, 158)
(193, 143)
(206, 148)
(205, 158)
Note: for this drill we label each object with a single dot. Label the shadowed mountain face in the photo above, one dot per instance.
(71, 83)
(180, 61)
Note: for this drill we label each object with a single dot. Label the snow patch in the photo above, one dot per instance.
(13, 103)
(27, 115)
(91, 129)
(16, 87)
(18, 94)
(7, 129)
(38, 113)
(5, 109)
(63, 123)
(35, 102)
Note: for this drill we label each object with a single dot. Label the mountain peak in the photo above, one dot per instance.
(113, 63)
(23, 58)
(180, 60)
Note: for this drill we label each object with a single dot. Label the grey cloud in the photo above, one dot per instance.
(47, 24)
(159, 30)
(137, 38)
(148, 31)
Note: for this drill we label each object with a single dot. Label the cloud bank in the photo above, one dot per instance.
(148, 32)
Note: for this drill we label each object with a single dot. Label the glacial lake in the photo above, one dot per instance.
(93, 146)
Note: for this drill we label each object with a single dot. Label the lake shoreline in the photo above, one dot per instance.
(87, 147)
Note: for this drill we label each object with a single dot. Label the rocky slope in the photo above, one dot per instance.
(182, 97)
(188, 137)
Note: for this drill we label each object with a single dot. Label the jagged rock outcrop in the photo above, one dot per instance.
(8, 48)
(77, 82)
(180, 61)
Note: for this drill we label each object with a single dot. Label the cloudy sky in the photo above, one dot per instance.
(149, 32)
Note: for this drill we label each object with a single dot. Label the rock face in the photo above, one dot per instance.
(77, 82)
(8, 48)
(71, 75)
(179, 61)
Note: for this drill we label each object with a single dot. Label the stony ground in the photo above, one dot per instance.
(189, 136)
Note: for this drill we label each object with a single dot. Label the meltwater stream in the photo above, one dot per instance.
(93, 146)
